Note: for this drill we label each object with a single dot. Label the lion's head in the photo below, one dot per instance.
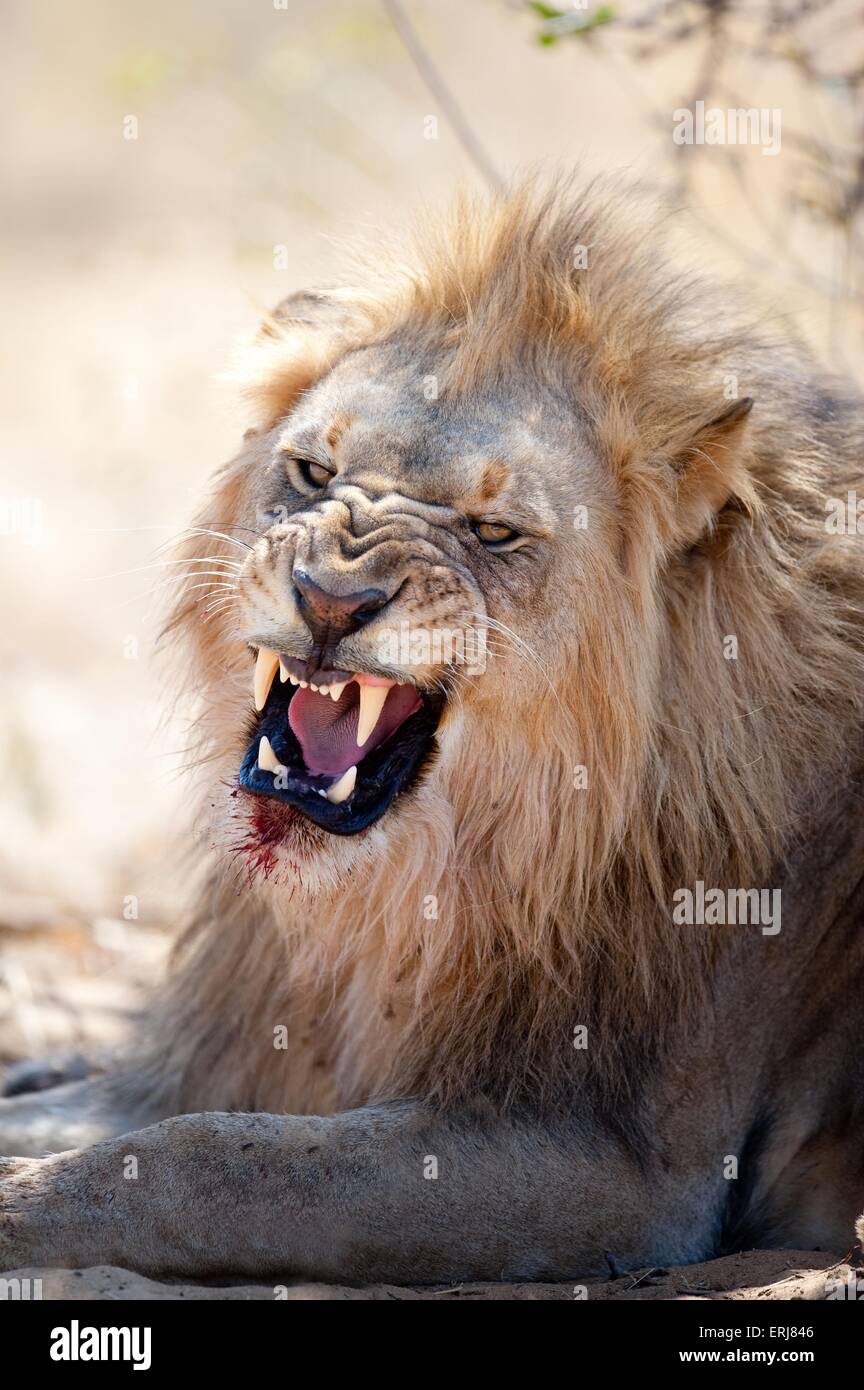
(520, 614)
(454, 510)
(504, 500)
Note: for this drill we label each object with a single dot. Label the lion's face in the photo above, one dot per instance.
(472, 499)
(407, 582)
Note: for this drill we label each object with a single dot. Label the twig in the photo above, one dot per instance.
(654, 1275)
(441, 92)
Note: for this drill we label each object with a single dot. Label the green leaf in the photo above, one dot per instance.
(545, 11)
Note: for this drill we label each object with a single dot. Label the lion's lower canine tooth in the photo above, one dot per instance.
(267, 760)
(372, 699)
(265, 669)
(341, 790)
(336, 692)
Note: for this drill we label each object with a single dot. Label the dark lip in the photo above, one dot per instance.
(382, 776)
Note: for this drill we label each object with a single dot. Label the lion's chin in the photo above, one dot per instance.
(276, 846)
(332, 765)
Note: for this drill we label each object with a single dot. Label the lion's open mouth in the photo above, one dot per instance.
(340, 751)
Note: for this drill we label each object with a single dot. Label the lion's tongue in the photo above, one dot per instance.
(327, 732)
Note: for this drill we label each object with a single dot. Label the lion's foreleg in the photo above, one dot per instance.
(384, 1193)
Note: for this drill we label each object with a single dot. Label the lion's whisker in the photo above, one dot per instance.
(220, 535)
(224, 602)
(161, 564)
(523, 649)
(222, 575)
(214, 588)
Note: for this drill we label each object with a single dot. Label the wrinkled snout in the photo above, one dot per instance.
(330, 613)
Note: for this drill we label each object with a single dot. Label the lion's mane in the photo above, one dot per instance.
(464, 946)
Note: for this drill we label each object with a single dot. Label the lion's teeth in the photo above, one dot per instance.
(265, 669)
(323, 689)
(372, 699)
(294, 680)
(336, 692)
(267, 760)
(341, 790)
(283, 672)
(313, 687)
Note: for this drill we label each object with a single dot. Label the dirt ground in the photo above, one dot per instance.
(758, 1274)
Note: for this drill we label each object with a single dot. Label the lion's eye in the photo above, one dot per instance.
(313, 474)
(493, 532)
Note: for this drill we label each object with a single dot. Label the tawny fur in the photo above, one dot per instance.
(553, 906)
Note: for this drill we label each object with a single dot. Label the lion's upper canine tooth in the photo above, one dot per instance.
(336, 692)
(284, 673)
(265, 669)
(267, 760)
(341, 790)
(372, 699)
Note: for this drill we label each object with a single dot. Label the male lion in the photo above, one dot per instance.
(532, 927)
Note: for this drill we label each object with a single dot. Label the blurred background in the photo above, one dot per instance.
(171, 169)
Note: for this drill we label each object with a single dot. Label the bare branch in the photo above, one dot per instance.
(441, 92)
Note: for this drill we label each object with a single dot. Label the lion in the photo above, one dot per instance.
(527, 642)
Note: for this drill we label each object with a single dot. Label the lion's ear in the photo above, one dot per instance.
(295, 345)
(323, 310)
(712, 470)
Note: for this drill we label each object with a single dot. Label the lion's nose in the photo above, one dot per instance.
(329, 616)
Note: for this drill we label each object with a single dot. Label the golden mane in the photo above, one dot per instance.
(465, 946)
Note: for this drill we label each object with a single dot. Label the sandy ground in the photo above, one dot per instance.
(759, 1274)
